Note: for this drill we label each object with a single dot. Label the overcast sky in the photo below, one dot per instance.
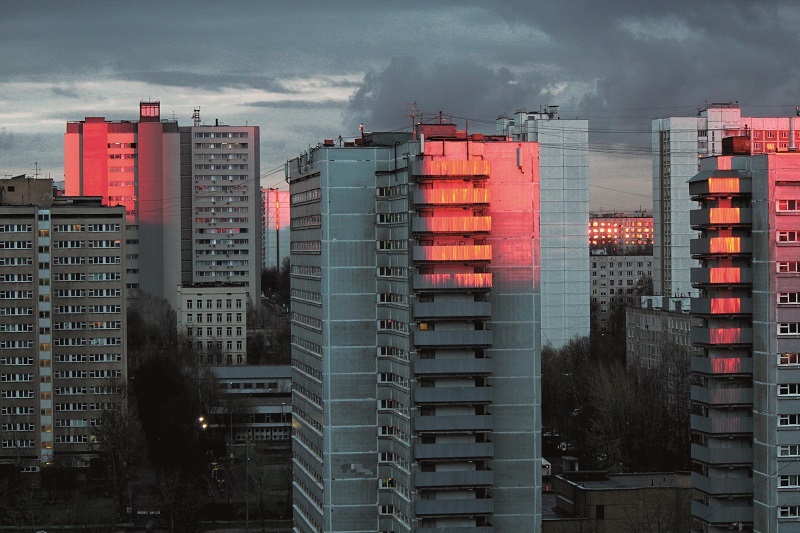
(305, 71)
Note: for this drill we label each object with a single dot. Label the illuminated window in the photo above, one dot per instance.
(789, 359)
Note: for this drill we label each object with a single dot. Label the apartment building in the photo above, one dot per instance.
(746, 401)
(677, 144)
(416, 296)
(213, 317)
(62, 321)
(659, 329)
(276, 227)
(191, 193)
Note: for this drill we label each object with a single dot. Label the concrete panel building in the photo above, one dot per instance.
(276, 227)
(746, 417)
(62, 321)
(416, 305)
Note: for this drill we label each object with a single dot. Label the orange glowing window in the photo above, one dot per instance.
(722, 215)
(454, 253)
(725, 275)
(724, 306)
(725, 335)
(725, 245)
(726, 365)
(721, 185)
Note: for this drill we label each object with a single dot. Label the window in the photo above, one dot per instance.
(788, 328)
(788, 266)
(789, 297)
(789, 420)
(788, 389)
(788, 481)
(789, 511)
(789, 450)
(788, 236)
(787, 359)
(788, 205)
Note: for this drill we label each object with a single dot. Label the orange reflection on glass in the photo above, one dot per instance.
(445, 167)
(455, 281)
(454, 196)
(723, 185)
(725, 245)
(724, 215)
(725, 335)
(724, 306)
(454, 252)
(457, 224)
(725, 275)
(726, 365)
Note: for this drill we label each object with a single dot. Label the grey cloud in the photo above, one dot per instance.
(294, 104)
(67, 93)
(216, 81)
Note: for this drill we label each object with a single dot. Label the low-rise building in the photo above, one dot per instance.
(658, 328)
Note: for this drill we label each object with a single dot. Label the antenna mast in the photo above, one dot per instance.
(196, 116)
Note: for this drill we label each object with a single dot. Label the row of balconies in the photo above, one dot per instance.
(722, 365)
(454, 479)
(465, 309)
(453, 395)
(453, 282)
(720, 216)
(451, 168)
(729, 185)
(721, 336)
(451, 225)
(454, 507)
(722, 486)
(451, 197)
(719, 396)
(454, 423)
(722, 456)
(476, 529)
(453, 337)
(722, 306)
(726, 513)
(463, 253)
(454, 451)
(721, 276)
(720, 246)
(454, 366)
(722, 426)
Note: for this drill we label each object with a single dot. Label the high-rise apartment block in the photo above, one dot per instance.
(677, 144)
(276, 227)
(417, 290)
(191, 194)
(564, 197)
(746, 397)
(62, 321)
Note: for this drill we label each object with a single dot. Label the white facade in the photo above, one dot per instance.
(214, 318)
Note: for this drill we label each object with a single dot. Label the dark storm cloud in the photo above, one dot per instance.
(67, 93)
(215, 81)
(293, 104)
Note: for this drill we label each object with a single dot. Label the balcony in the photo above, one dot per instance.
(725, 513)
(451, 225)
(722, 426)
(720, 216)
(722, 486)
(722, 456)
(467, 507)
(722, 365)
(454, 451)
(465, 309)
(454, 423)
(721, 276)
(451, 479)
(453, 197)
(457, 366)
(721, 336)
(452, 282)
(719, 397)
(451, 168)
(720, 246)
(453, 337)
(722, 306)
(476, 529)
(453, 395)
(462, 253)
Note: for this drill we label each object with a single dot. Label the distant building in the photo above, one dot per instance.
(276, 227)
(62, 321)
(214, 319)
(746, 401)
(602, 502)
(657, 329)
(621, 248)
(677, 144)
(191, 194)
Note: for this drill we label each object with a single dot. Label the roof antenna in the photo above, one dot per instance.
(196, 116)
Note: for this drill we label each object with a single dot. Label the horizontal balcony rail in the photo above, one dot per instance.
(476, 529)
(453, 395)
(724, 512)
(722, 365)
(454, 423)
(453, 337)
(722, 486)
(458, 366)
(453, 282)
(721, 276)
(722, 456)
(454, 451)
(721, 185)
(722, 426)
(452, 309)
(721, 336)
(451, 168)
(453, 507)
(451, 225)
(422, 197)
(466, 478)
(722, 306)
(722, 396)
(461, 252)
(721, 246)
(720, 216)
